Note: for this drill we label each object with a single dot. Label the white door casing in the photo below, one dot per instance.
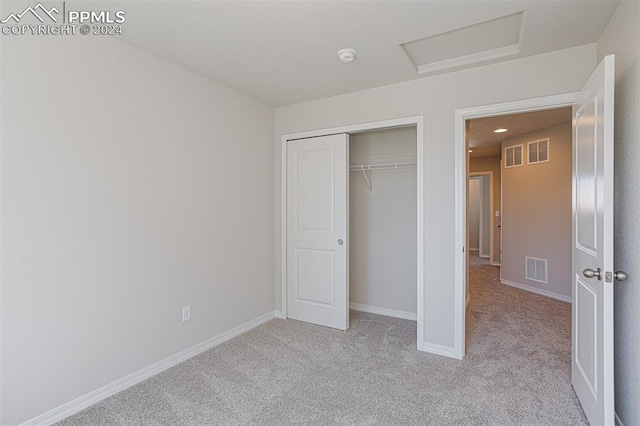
(461, 152)
(317, 244)
(592, 317)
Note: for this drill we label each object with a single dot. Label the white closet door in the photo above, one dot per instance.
(317, 246)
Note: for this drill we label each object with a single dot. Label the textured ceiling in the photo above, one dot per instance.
(284, 52)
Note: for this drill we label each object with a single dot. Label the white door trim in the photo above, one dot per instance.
(357, 128)
(461, 115)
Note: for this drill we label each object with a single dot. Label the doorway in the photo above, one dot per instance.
(480, 212)
(592, 273)
(533, 170)
(417, 123)
(462, 158)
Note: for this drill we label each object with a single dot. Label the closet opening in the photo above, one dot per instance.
(383, 222)
(353, 224)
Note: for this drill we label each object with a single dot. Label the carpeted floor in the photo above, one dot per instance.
(516, 372)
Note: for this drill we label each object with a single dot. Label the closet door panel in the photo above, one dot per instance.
(317, 208)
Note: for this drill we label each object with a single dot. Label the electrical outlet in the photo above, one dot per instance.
(186, 313)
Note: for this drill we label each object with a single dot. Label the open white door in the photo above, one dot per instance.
(317, 245)
(592, 339)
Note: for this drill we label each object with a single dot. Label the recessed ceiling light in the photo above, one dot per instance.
(499, 130)
(346, 55)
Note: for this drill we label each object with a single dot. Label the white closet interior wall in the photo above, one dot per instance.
(382, 222)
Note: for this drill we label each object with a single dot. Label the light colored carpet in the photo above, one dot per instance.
(516, 372)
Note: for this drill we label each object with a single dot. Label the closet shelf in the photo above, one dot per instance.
(364, 168)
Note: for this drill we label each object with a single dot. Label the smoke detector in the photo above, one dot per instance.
(346, 55)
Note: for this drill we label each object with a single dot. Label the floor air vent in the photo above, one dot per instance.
(536, 269)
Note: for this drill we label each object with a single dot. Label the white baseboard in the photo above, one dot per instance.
(435, 349)
(467, 302)
(119, 385)
(280, 314)
(383, 311)
(618, 421)
(537, 290)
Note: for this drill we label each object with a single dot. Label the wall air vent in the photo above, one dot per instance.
(538, 151)
(536, 269)
(513, 156)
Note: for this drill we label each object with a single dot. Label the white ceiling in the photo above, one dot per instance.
(284, 52)
(486, 143)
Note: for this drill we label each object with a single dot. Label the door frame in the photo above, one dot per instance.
(420, 238)
(480, 218)
(460, 234)
(488, 173)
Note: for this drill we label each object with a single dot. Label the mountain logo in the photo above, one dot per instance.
(38, 11)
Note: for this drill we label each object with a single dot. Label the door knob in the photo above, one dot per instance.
(340, 242)
(590, 273)
(620, 276)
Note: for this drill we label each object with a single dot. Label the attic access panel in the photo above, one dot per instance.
(484, 41)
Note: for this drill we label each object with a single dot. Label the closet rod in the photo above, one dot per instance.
(364, 168)
(385, 166)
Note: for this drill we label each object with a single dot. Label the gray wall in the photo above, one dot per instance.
(622, 37)
(382, 223)
(491, 164)
(435, 99)
(536, 217)
(130, 188)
